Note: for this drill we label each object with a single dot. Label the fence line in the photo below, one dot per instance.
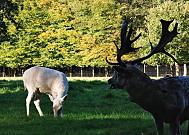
(154, 71)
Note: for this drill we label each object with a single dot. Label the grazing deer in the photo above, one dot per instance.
(40, 80)
(167, 99)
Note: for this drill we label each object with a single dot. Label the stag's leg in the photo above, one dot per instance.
(175, 130)
(37, 102)
(159, 125)
(28, 100)
(188, 129)
(51, 97)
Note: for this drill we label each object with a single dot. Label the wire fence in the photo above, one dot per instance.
(153, 71)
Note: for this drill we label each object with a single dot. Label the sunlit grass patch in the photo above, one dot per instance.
(91, 109)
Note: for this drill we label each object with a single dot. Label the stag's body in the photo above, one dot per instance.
(166, 99)
(39, 80)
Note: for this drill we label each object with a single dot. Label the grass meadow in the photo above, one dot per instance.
(90, 109)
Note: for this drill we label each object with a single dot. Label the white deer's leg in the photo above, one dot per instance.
(37, 105)
(51, 97)
(28, 100)
(37, 101)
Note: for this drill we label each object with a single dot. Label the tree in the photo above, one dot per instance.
(56, 33)
(8, 9)
(96, 22)
(178, 47)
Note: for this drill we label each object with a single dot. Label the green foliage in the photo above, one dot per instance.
(178, 12)
(8, 9)
(61, 33)
(58, 33)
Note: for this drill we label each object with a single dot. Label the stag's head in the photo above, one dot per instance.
(125, 72)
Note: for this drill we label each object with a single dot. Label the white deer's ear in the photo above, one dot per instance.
(64, 98)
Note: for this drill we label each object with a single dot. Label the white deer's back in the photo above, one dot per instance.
(45, 79)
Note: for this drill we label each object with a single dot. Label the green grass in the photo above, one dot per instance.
(90, 109)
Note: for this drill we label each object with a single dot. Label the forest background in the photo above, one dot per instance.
(61, 33)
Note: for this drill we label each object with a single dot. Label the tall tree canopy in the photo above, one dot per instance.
(177, 11)
(8, 9)
(58, 33)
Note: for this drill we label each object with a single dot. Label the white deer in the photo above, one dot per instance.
(54, 83)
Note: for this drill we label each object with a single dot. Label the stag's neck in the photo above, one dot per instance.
(140, 90)
(138, 85)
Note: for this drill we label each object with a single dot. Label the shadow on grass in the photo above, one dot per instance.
(91, 109)
(47, 126)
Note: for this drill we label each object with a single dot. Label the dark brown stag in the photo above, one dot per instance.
(167, 99)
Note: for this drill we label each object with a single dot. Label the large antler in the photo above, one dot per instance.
(166, 37)
(126, 43)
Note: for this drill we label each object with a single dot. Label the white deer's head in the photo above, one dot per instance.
(58, 105)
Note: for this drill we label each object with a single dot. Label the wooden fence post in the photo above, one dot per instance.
(106, 71)
(177, 69)
(157, 71)
(70, 71)
(185, 70)
(144, 70)
(3, 72)
(93, 72)
(81, 72)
